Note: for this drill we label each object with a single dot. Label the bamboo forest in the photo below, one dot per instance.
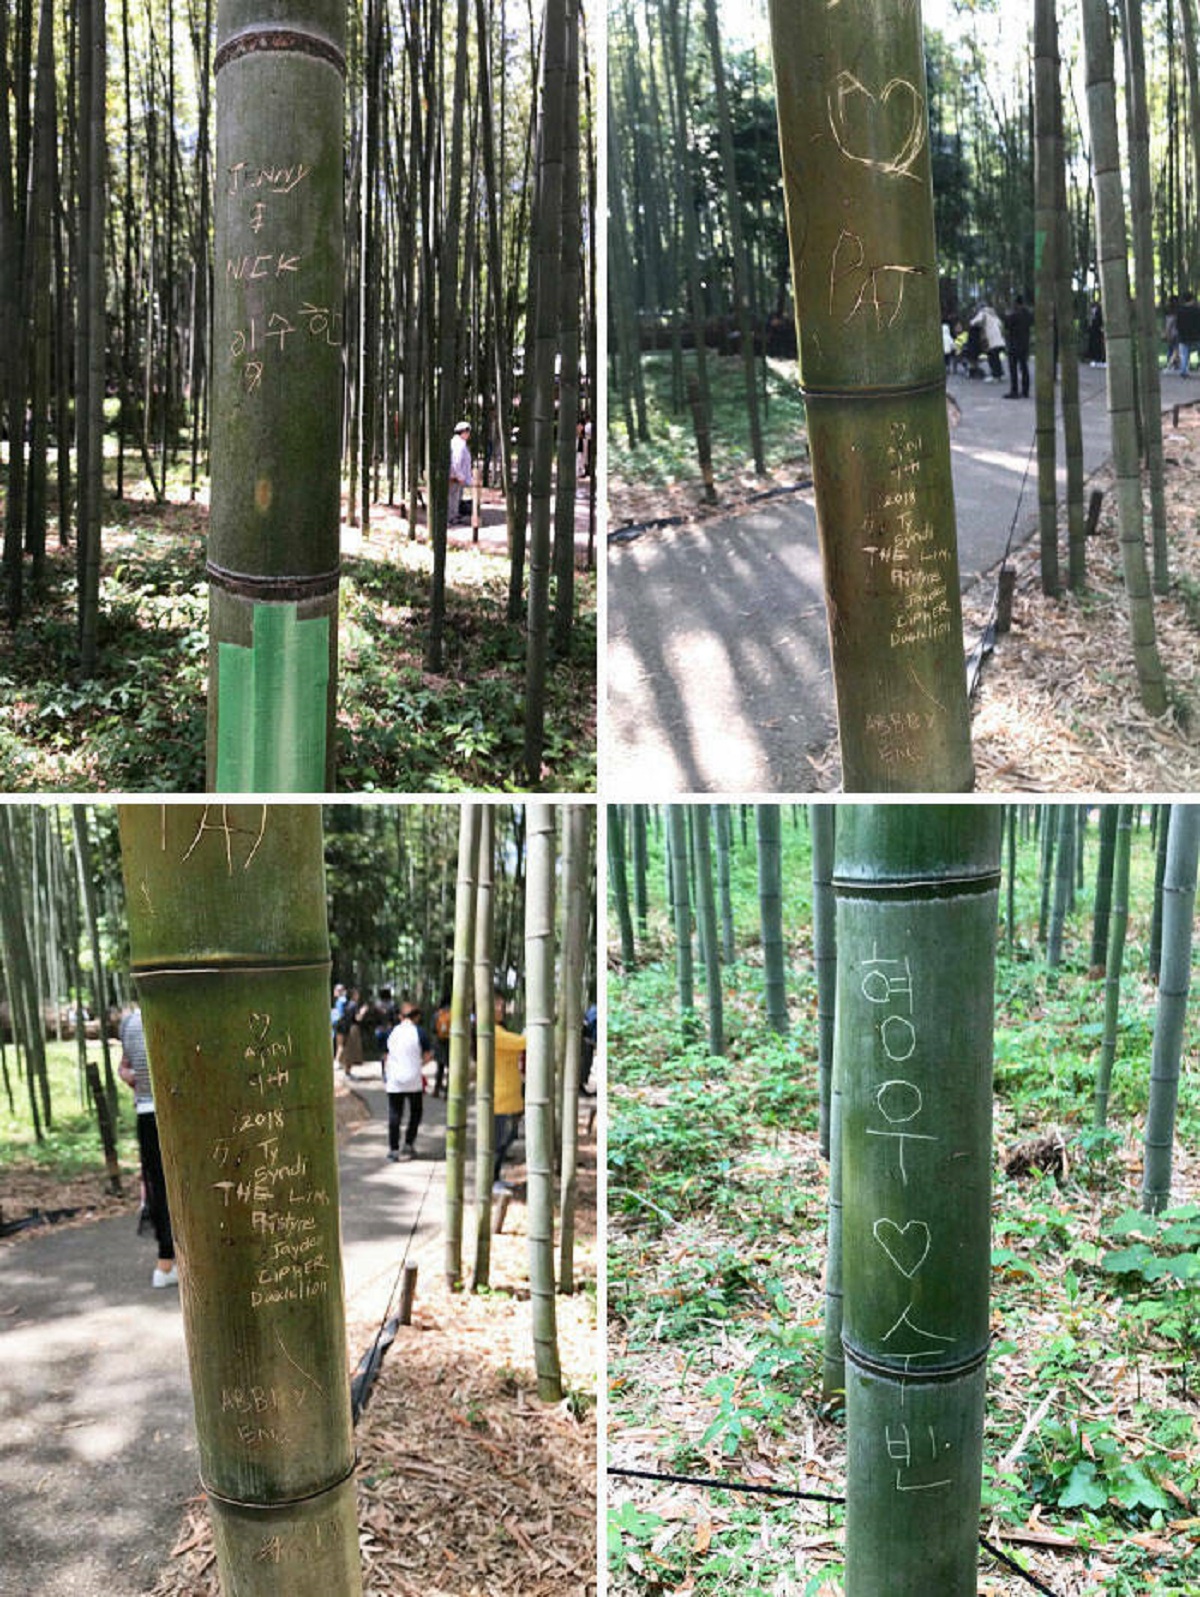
(297, 344)
(904, 1200)
(899, 363)
(298, 1199)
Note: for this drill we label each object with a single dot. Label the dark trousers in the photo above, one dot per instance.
(396, 1103)
(506, 1135)
(1018, 366)
(993, 356)
(441, 1058)
(156, 1185)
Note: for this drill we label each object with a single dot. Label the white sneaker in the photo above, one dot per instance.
(165, 1277)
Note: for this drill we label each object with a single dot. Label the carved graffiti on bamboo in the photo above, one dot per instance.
(886, 983)
(858, 286)
(232, 834)
(900, 1451)
(884, 132)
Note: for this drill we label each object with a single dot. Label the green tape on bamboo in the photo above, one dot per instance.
(278, 683)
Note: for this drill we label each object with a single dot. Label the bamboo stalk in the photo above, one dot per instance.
(273, 562)
(854, 139)
(230, 951)
(917, 897)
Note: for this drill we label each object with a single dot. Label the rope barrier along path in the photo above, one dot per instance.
(713, 1483)
(372, 1360)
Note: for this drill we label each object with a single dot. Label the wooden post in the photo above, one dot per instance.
(1093, 515)
(408, 1291)
(1004, 599)
(499, 1210)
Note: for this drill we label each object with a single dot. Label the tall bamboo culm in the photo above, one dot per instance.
(539, 1095)
(854, 139)
(485, 1044)
(230, 953)
(273, 553)
(917, 894)
(1179, 903)
(462, 997)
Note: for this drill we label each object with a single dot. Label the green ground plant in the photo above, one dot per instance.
(670, 457)
(716, 1248)
(71, 1146)
(137, 725)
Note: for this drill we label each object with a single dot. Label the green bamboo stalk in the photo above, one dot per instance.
(1047, 240)
(485, 1045)
(273, 556)
(706, 915)
(619, 879)
(1114, 280)
(576, 856)
(917, 894)
(824, 958)
(1118, 922)
(539, 1095)
(1102, 906)
(230, 952)
(853, 134)
(1179, 904)
(640, 901)
(1162, 814)
(833, 1367)
(462, 994)
(770, 909)
(724, 893)
(682, 913)
(1063, 877)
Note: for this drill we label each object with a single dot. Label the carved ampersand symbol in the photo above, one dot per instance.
(908, 1255)
(884, 131)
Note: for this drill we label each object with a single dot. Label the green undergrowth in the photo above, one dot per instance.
(717, 1206)
(670, 456)
(138, 724)
(71, 1144)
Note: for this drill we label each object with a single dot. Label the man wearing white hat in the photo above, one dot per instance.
(460, 470)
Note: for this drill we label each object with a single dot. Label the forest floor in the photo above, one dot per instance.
(138, 724)
(468, 1485)
(1057, 706)
(717, 1236)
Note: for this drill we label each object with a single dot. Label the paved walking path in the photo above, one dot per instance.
(97, 1441)
(718, 659)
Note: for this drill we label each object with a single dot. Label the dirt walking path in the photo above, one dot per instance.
(98, 1452)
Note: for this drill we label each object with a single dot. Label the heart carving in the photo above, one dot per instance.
(884, 131)
(907, 1255)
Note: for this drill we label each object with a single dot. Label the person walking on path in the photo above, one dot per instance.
(1188, 325)
(134, 1070)
(509, 1090)
(1016, 326)
(409, 1049)
(460, 470)
(988, 323)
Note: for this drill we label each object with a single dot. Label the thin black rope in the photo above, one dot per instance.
(990, 624)
(726, 1486)
(714, 1483)
(370, 1363)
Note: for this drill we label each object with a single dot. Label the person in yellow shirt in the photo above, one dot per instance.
(508, 1097)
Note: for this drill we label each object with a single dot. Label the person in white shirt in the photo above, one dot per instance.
(409, 1049)
(460, 470)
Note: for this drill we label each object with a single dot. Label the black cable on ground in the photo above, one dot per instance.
(372, 1360)
(635, 529)
(727, 1486)
(715, 1484)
